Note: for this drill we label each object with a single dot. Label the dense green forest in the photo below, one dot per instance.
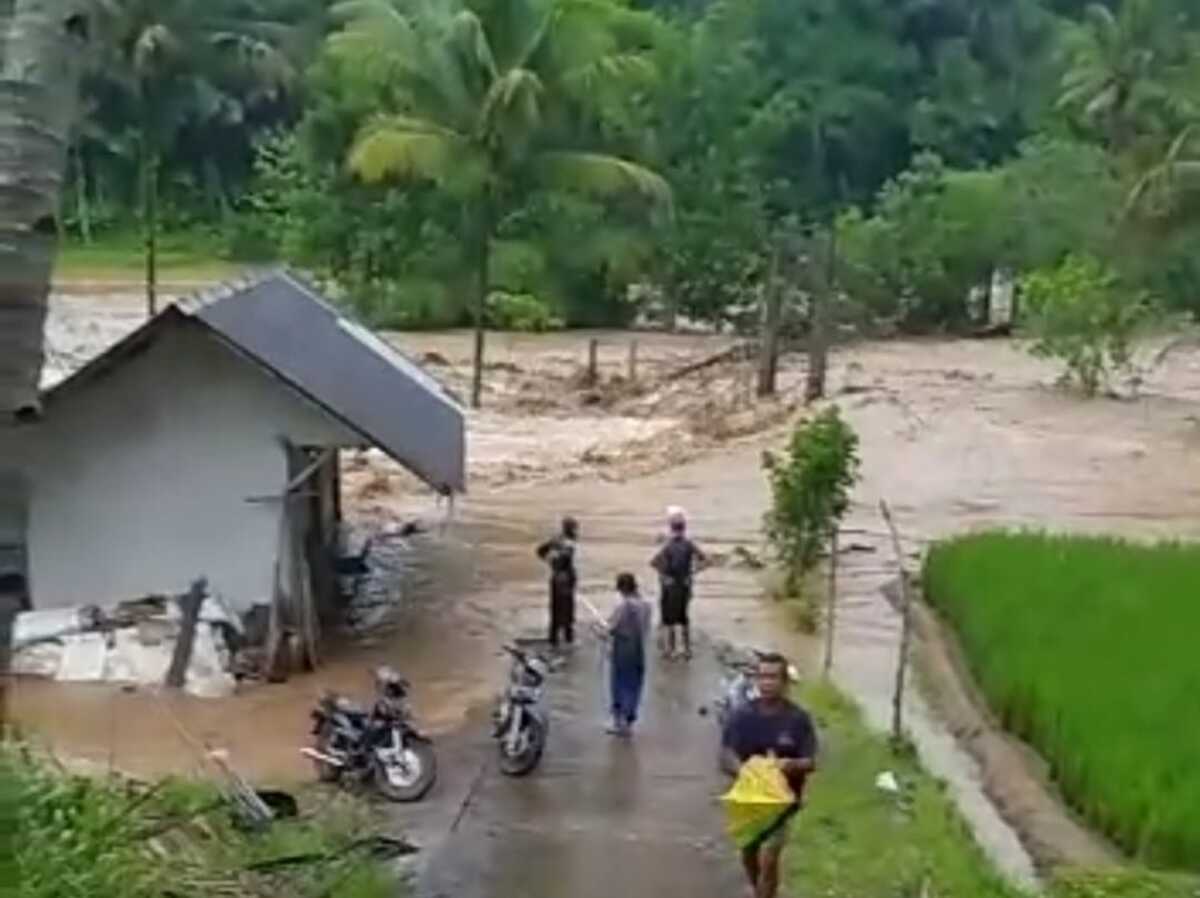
(569, 160)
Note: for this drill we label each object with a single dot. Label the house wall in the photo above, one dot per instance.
(140, 478)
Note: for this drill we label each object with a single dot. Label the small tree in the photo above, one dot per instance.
(1080, 315)
(810, 490)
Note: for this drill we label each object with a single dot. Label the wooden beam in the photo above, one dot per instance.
(190, 606)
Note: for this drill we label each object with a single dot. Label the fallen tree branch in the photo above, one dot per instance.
(738, 353)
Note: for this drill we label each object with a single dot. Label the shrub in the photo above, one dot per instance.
(810, 490)
(64, 836)
(1080, 315)
(520, 312)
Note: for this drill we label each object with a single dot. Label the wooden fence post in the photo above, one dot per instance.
(633, 361)
(831, 603)
(593, 364)
(189, 605)
(905, 628)
(9, 607)
(768, 364)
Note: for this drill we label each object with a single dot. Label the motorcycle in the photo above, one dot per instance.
(521, 721)
(738, 687)
(382, 745)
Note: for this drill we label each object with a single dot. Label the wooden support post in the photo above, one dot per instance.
(593, 363)
(768, 364)
(9, 606)
(632, 372)
(831, 604)
(189, 605)
(905, 628)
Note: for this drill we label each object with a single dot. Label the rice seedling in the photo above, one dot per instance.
(1086, 648)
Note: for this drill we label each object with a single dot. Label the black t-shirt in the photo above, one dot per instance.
(677, 559)
(787, 733)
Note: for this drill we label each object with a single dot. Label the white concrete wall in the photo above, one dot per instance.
(140, 479)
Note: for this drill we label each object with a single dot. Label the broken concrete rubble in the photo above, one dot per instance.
(129, 644)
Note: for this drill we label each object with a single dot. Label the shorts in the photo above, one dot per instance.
(673, 605)
(780, 834)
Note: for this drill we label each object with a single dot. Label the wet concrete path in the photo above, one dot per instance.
(601, 816)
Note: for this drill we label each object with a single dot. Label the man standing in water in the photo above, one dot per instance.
(676, 563)
(559, 555)
(771, 726)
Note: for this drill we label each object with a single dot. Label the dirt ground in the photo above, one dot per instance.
(954, 435)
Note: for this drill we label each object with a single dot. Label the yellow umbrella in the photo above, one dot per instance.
(758, 803)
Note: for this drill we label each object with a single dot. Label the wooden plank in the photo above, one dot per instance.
(190, 607)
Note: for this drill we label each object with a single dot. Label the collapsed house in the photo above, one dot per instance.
(206, 445)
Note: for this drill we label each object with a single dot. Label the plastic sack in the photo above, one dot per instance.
(758, 802)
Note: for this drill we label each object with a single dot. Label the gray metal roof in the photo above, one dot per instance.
(282, 324)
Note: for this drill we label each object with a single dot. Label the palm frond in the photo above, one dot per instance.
(602, 176)
(413, 54)
(411, 149)
(512, 107)
(471, 41)
(617, 71)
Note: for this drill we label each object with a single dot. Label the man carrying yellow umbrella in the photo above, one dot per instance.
(770, 744)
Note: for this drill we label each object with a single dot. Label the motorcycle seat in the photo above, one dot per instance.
(352, 708)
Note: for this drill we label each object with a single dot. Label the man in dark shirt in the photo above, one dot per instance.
(771, 726)
(559, 555)
(676, 563)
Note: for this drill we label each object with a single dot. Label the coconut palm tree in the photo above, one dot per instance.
(40, 51)
(1116, 63)
(178, 62)
(495, 99)
(41, 48)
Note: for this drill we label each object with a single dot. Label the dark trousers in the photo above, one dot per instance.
(562, 612)
(627, 682)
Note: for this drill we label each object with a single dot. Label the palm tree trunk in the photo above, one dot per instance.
(150, 223)
(482, 262)
(42, 48)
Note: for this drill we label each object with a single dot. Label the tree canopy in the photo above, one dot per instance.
(359, 139)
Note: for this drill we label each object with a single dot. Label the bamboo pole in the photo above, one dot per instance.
(831, 603)
(905, 627)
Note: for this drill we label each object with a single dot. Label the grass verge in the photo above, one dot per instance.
(66, 836)
(855, 841)
(1085, 647)
(119, 258)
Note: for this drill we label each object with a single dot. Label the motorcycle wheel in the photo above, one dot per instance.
(408, 777)
(532, 745)
(326, 773)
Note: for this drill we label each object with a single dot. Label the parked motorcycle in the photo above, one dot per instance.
(521, 719)
(738, 687)
(382, 745)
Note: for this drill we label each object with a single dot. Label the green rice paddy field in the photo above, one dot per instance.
(1089, 649)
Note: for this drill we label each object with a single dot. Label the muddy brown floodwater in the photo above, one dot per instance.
(954, 435)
